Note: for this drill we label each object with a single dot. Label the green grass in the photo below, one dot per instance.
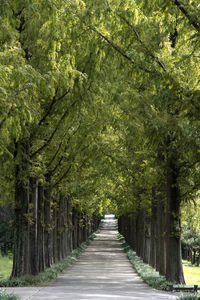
(6, 263)
(191, 273)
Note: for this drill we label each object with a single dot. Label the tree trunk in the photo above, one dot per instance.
(140, 234)
(147, 244)
(48, 231)
(21, 209)
(174, 269)
(161, 245)
(153, 230)
(33, 227)
(69, 226)
(41, 225)
(133, 233)
(21, 253)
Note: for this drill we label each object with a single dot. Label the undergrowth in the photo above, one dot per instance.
(5, 296)
(49, 274)
(189, 297)
(145, 271)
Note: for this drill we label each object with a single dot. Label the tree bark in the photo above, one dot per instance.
(153, 230)
(41, 225)
(174, 269)
(161, 244)
(21, 227)
(33, 226)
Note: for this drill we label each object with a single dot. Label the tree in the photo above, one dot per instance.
(104, 126)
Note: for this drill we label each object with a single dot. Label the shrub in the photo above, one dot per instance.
(5, 296)
(145, 271)
(189, 297)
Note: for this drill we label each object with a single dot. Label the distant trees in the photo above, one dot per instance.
(191, 232)
(6, 230)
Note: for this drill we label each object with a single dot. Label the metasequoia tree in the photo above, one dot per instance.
(44, 133)
(160, 51)
(105, 126)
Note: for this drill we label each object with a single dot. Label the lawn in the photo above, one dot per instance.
(5, 266)
(191, 273)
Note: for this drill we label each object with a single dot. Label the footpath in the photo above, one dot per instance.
(102, 272)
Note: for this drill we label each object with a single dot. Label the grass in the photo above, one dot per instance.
(191, 273)
(50, 274)
(6, 263)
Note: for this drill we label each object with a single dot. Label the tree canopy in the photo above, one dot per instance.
(99, 102)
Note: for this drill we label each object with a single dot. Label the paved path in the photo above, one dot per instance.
(102, 272)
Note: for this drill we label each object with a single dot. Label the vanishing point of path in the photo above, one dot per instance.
(103, 272)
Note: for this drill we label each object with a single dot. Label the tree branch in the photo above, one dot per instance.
(53, 133)
(193, 188)
(55, 154)
(141, 42)
(188, 16)
(119, 50)
(51, 105)
(64, 175)
(73, 158)
(6, 117)
(62, 156)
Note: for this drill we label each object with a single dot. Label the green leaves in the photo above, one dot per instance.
(95, 89)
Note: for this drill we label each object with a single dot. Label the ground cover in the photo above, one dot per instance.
(189, 297)
(5, 296)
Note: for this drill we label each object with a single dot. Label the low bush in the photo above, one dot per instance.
(5, 296)
(145, 271)
(189, 297)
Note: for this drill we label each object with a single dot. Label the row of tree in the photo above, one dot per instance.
(157, 154)
(48, 127)
(99, 107)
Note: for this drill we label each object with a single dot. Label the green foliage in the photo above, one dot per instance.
(105, 97)
(189, 297)
(5, 296)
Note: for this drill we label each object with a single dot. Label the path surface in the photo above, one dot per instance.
(102, 272)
